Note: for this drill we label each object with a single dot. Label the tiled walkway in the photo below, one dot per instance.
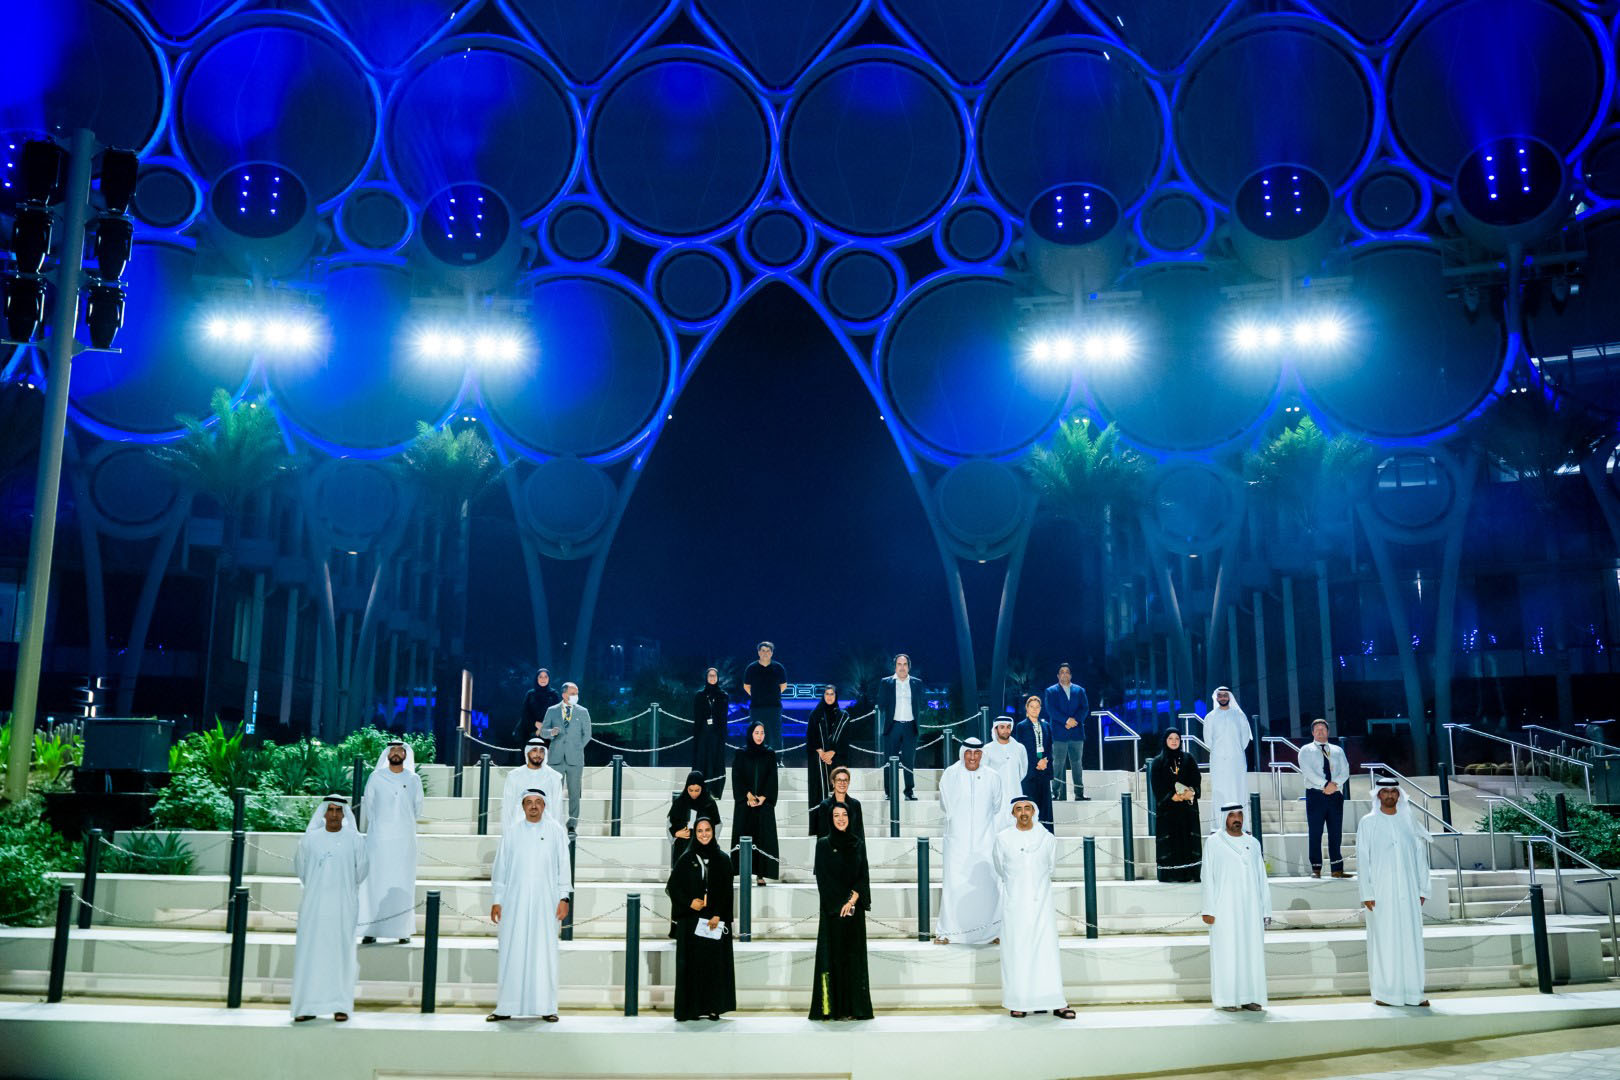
(1574, 1065)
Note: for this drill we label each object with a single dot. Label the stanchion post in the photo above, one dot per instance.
(655, 709)
(483, 794)
(239, 910)
(1091, 886)
(745, 890)
(1254, 820)
(59, 944)
(618, 795)
(461, 745)
(894, 795)
(238, 855)
(357, 786)
(568, 920)
(922, 889)
(92, 864)
(430, 954)
(238, 809)
(632, 954)
(1444, 774)
(1538, 926)
(984, 724)
(1561, 804)
(1128, 829)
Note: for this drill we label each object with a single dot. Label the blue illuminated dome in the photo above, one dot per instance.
(259, 201)
(465, 224)
(1073, 214)
(1283, 202)
(1510, 181)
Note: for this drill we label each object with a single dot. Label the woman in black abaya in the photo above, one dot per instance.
(841, 989)
(753, 794)
(699, 893)
(692, 803)
(709, 711)
(826, 744)
(1173, 777)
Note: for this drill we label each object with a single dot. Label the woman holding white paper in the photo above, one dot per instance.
(699, 891)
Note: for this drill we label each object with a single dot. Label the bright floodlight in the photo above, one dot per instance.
(486, 347)
(1095, 348)
(275, 333)
(1272, 336)
(216, 328)
(454, 347)
(429, 343)
(1246, 337)
(1305, 332)
(1118, 345)
(510, 347)
(1063, 348)
(242, 331)
(1329, 331)
(300, 335)
(1040, 350)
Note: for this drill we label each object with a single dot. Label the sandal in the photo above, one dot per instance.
(492, 1017)
(1063, 1014)
(1016, 1015)
(302, 1019)
(341, 1018)
(551, 1019)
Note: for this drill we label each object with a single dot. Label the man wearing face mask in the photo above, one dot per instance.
(568, 726)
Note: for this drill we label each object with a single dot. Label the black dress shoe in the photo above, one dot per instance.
(368, 941)
(910, 797)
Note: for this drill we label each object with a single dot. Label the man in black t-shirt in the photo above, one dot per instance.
(764, 682)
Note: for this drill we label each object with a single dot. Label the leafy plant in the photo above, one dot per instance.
(272, 813)
(333, 775)
(219, 755)
(192, 801)
(26, 886)
(148, 853)
(1592, 832)
(289, 769)
(22, 824)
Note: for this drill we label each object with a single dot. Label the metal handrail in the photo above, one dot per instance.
(1271, 749)
(1188, 737)
(1131, 736)
(1277, 769)
(1609, 749)
(1376, 767)
(1558, 847)
(1515, 747)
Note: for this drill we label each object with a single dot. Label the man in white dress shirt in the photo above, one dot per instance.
(899, 701)
(1325, 769)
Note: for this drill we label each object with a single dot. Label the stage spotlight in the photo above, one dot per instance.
(104, 313)
(1304, 332)
(243, 331)
(1271, 336)
(1119, 345)
(485, 347)
(43, 166)
(300, 336)
(25, 306)
(217, 328)
(119, 170)
(115, 240)
(275, 333)
(510, 348)
(1095, 348)
(454, 347)
(1329, 331)
(31, 237)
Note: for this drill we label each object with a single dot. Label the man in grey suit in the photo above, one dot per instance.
(568, 726)
(900, 701)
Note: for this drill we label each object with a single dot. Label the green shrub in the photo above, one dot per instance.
(192, 801)
(22, 824)
(26, 887)
(147, 853)
(218, 754)
(272, 813)
(289, 769)
(333, 776)
(1592, 832)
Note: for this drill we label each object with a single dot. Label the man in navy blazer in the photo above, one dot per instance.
(899, 703)
(1036, 735)
(1066, 709)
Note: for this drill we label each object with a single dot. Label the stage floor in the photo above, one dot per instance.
(135, 1042)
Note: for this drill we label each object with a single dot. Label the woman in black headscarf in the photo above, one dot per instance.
(753, 795)
(841, 989)
(699, 892)
(692, 803)
(1174, 784)
(709, 711)
(826, 743)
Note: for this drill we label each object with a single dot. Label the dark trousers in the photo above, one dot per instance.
(900, 741)
(1326, 810)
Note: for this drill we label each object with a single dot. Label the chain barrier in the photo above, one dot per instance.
(492, 746)
(633, 750)
(114, 916)
(672, 716)
(141, 855)
(262, 850)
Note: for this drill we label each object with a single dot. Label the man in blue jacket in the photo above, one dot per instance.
(1036, 735)
(1067, 710)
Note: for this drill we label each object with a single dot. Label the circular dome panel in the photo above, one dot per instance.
(374, 219)
(369, 390)
(131, 494)
(577, 232)
(1273, 90)
(957, 380)
(680, 146)
(1482, 69)
(1389, 200)
(972, 232)
(859, 285)
(603, 367)
(1071, 85)
(1196, 508)
(1414, 363)
(776, 238)
(566, 502)
(1600, 168)
(80, 63)
(1508, 182)
(236, 94)
(981, 504)
(1179, 389)
(258, 201)
(353, 504)
(487, 112)
(1174, 222)
(1412, 493)
(164, 369)
(1282, 202)
(165, 196)
(465, 224)
(1088, 215)
(873, 146)
(694, 284)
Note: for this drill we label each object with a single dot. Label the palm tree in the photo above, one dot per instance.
(1086, 478)
(451, 469)
(227, 459)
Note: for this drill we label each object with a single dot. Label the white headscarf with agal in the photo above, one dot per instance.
(393, 803)
(331, 866)
(1227, 734)
(410, 756)
(317, 817)
(974, 801)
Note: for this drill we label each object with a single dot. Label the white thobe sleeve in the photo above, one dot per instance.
(1367, 855)
(565, 877)
(362, 862)
(1420, 860)
(417, 800)
(368, 805)
(1210, 899)
(301, 860)
(1262, 884)
(1245, 736)
(498, 873)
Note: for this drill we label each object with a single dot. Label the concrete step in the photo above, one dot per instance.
(193, 964)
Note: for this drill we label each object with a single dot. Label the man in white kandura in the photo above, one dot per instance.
(1393, 852)
(974, 802)
(1237, 909)
(533, 773)
(1007, 757)
(331, 864)
(1226, 731)
(1031, 967)
(392, 803)
(530, 883)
